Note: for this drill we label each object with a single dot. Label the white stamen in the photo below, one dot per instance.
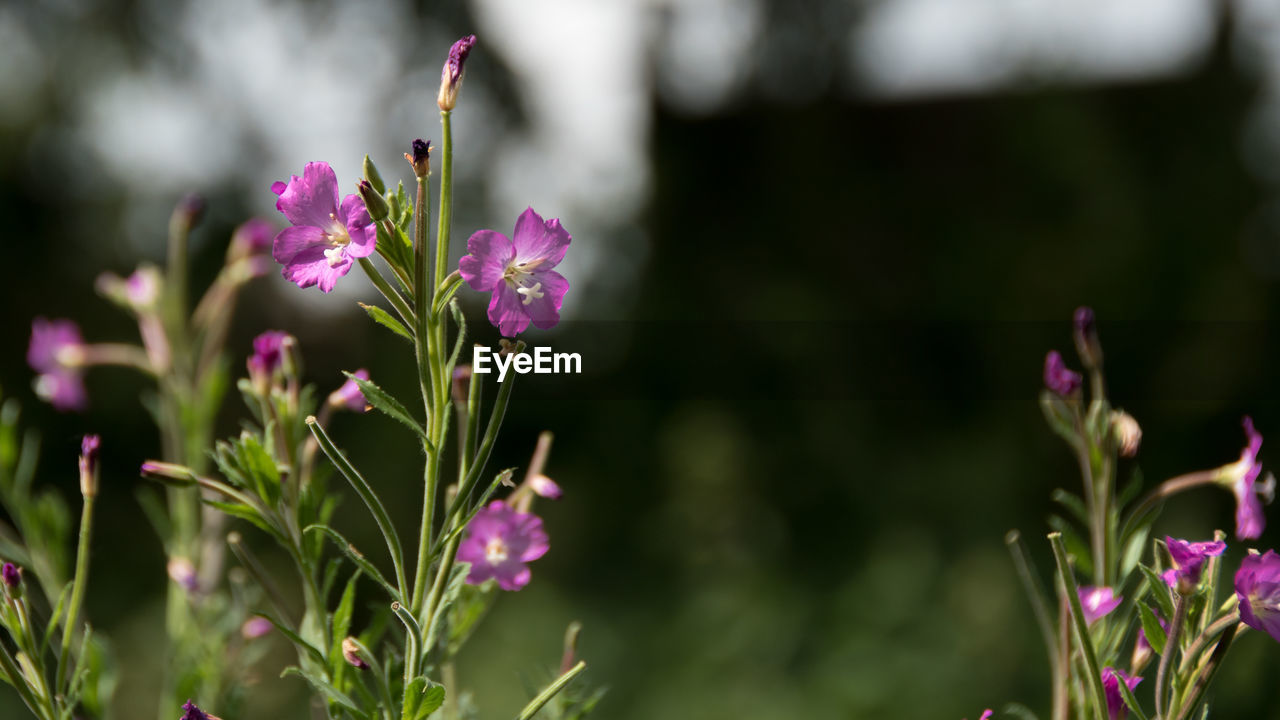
(495, 551)
(531, 293)
(334, 256)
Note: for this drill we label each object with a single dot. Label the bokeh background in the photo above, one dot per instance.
(820, 250)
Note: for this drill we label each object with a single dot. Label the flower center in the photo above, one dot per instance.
(495, 551)
(338, 239)
(519, 275)
(531, 293)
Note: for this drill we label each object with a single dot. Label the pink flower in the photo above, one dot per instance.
(325, 238)
(519, 272)
(1058, 377)
(1241, 476)
(498, 542)
(1111, 678)
(1188, 562)
(1257, 585)
(348, 396)
(57, 353)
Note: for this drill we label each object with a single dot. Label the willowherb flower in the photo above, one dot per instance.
(57, 353)
(252, 237)
(326, 237)
(1242, 478)
(1257, 586)
(351, 653)
(498, 542)
(1097, 602)
(518, 271)
(1111, 679)
(1058, 377)
(89, 465)
(11, 574)
(349, 396)
(268, 353)
(1188, 562)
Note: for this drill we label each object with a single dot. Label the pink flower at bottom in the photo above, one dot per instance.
(498, 542)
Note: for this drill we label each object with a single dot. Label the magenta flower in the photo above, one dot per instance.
(451, 73)
(191, 712)
(12, 575)
(544, 486)
(1097, 602)
(498, 542)
(1241, 476)
(255, 627)
(518, 272)
(1258, 591)
(1188, 562)
(268, 353)
(325, 238)
(57, 353)
(1059, 378)
(349, 396)
(252, 237)
(1116, 709)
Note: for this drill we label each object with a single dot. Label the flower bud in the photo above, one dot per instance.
(1058, 377)
(373, 176)
(12, 575)
(451, 74)
(420, 158)
(1127, 433)
(545, 487)
(187, 213)
(373, 201)
(255, 627)
(1086, 337)
(349, 397)
(184, 573)
(253, 237)
(461, 384)
(167, 473)
(351, 653)
(89, 465)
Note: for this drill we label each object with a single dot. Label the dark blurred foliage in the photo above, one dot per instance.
(789, 473)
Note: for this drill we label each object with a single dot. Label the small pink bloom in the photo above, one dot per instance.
(1097, 602)
(518, 271)
(498, 542)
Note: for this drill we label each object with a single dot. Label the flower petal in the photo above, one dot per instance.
(360, 227)
(312, 198)
(538, 240)
(507, 311)
(545, 311)
(490, 252)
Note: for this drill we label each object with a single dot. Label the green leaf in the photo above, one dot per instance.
(1131, 701)
(341, 626)
(1076, 547)
(380, 399)
(454, 585)
(356, 557)
(1021, 711)
(329, 691)
(1071, 502)
(383, 318)
(244, 512)
(295, 638)
(1133, 549)
(1159, 590)
(1151, 627)
(1060, 416)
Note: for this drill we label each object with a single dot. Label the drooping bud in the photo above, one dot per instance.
(461, 384)
(184, 573)
(373, 176)
(545, 487)
(351, 653)
(255, 627)
(373, 201)
(420, 158)
(1127, 433)
(451, 74)
(168, 473)
(89, 465)
(349, 397)
(1086, 337)
(1058, 378)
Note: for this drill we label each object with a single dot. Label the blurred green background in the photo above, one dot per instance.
(817, 262)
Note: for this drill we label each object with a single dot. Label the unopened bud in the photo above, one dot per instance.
(349, 396)
(461, 384)
(1086, 337)
(168, 473)
(253, 237)
(89, 465)
(451, 74)
(545, 487)
(1127, 433)
(420, 158)
(184, 573)
(371, 174)
(351, 652)
(12, 575)
(373, 200)
(255, 627)
(187, 213)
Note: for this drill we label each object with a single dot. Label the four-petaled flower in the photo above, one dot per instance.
(498, 542)
(1058, 377)
(349, 397)
(57, 353)
(1242, 476)
(1097, 602)
(518, 271)
(268, 353)
(1257, 585)
(325, 238)
(1111, 678)
(1188, 562)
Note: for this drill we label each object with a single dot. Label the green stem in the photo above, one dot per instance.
(1208, 673)
(19, 682)
(1170, 646)
(482, 454)
(1082, 628)
(551, 690)
(78, 586)
(1035, 592)
(446, 197)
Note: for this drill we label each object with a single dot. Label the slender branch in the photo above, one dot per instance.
(551, 690)
(1082, 628)
(1170, 646)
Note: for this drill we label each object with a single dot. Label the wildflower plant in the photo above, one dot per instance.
(274, 476)
(1129, 607)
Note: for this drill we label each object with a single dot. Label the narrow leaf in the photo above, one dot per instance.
(383, 318)
(356, 557)
(384, 402)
